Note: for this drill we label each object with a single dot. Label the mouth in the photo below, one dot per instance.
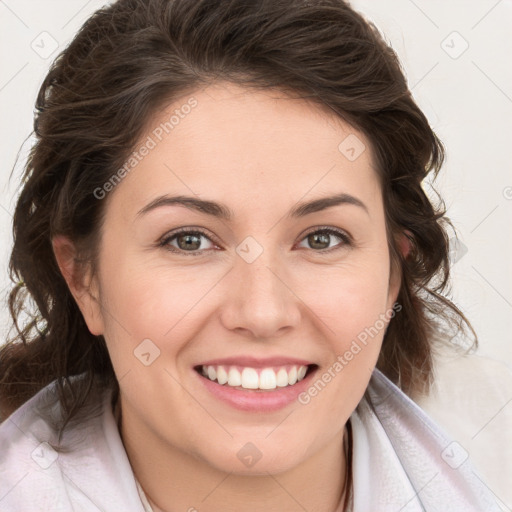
(256, 379)
(255, 389)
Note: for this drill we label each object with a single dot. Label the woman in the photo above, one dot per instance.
(237, 273)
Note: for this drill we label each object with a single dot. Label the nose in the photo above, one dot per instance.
(259, 301)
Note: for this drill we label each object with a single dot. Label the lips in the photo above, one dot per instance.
(264, 387)
(253, 362)
(254, 384)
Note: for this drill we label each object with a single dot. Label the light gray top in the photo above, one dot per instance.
(402, 461)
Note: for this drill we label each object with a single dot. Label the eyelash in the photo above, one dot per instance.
(346, 240)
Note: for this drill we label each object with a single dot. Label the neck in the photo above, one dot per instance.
(173, 479)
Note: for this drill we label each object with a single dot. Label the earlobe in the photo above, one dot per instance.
(80, 283)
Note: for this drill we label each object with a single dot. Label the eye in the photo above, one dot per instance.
(321, 239)
(190, 241)
(186, 241)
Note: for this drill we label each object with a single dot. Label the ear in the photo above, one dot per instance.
(403, 243)
(81, 284)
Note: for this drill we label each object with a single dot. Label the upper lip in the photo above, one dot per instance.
(254, 362)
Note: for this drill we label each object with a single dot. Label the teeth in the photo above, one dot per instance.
(268, 379)
(292, 376)
(282, 378)
(222, 375)
(234, 379)
(249, 378)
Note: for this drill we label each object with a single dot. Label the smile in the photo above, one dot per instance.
(264, 387)
(255, 378)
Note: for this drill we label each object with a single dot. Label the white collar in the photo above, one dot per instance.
(402, 461)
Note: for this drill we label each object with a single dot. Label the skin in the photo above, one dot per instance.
(259, 153)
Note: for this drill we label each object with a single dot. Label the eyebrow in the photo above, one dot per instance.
(221, 211)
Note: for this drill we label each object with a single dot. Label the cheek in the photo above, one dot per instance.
(354, 314)
(144, 300)
(350, 298)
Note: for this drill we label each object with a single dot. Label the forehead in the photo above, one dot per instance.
(249, 145)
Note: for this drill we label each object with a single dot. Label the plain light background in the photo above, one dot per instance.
(455, 55)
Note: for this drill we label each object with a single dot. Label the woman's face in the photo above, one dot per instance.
(284, 280)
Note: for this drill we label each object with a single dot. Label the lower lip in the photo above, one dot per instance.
(257, 400)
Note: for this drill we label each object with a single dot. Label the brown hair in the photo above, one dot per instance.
(134, 56)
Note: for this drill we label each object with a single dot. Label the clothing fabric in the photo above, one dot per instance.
(401, 460)
(478, 389)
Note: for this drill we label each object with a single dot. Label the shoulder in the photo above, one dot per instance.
(408, 458)
(26, 453)
(472, 399)
(85, 470)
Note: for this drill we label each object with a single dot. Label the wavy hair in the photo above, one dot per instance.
(134, 56)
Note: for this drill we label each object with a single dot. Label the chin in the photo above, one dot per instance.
(257, 458)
